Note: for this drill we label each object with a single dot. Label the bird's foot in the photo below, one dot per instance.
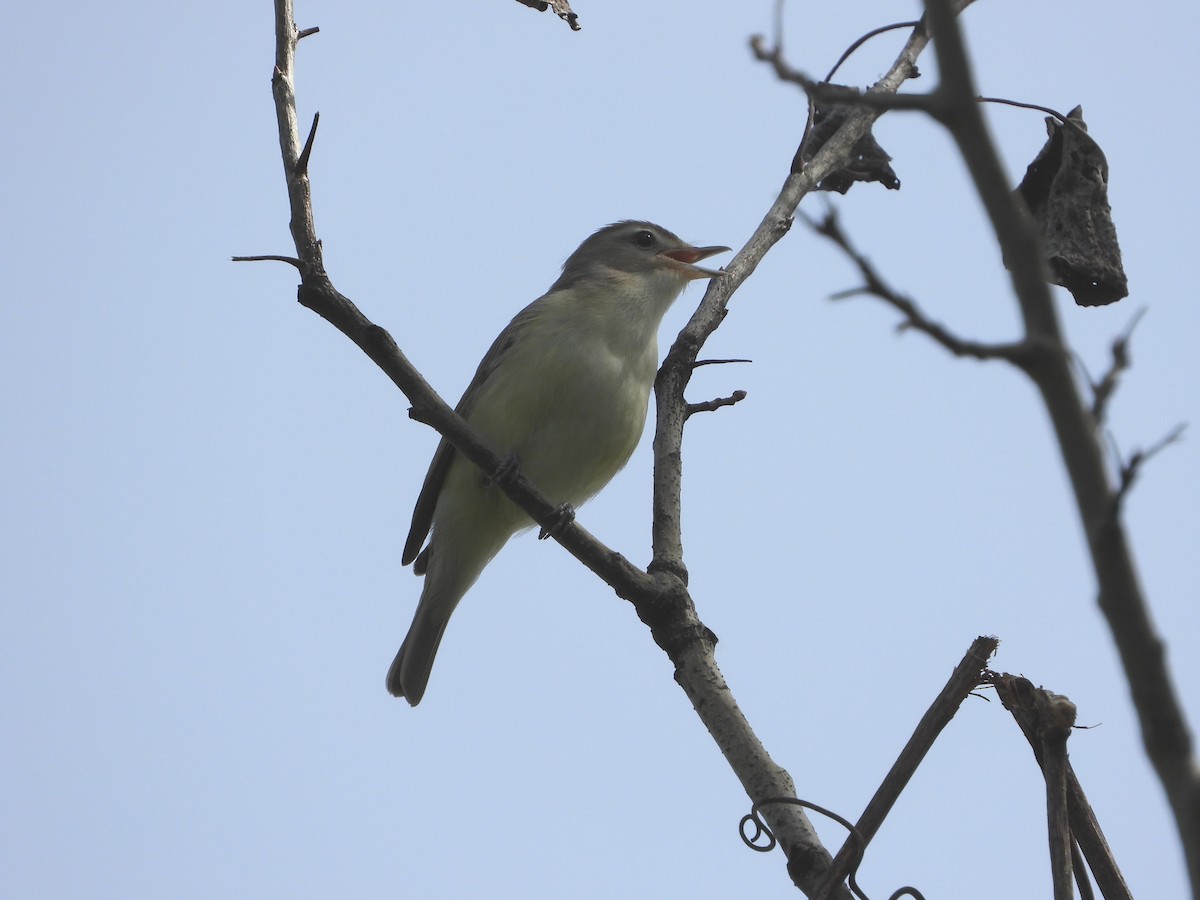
(562, 517)
(508, 468)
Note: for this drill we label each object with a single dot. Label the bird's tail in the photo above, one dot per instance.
(409, 673)
(469, 529)
(454, 566)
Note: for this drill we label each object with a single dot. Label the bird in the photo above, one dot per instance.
(563, 393)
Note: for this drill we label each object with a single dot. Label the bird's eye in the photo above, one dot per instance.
(644, 239)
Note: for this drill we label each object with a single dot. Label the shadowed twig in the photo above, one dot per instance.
(915, 319)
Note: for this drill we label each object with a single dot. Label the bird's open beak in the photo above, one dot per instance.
(687, 257)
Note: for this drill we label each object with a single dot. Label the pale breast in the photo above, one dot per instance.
(572, 414)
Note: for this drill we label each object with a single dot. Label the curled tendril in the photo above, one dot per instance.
(760, 829)
(866, 37)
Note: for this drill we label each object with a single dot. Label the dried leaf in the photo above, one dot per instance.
(869, 162)
(561, 8)
(1066, 190)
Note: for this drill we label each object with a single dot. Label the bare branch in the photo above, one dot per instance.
(774, 56)
(1133, 466)
(1165, 731)
(1103, 389)
(696, 670)
(967, 676)
(1054, 767)
(840, 93)
(678, 366)
(1043, 355)
(823, 91)
(1033, 710)
(711, 405)
(914, 318)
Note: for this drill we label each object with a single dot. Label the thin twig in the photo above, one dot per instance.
(270, 257)
(830, 227)
(1132, 468)
(774, 56)
(711, 405)
(1103, 389)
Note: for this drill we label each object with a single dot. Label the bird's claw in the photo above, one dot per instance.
(562, 517)
(509, 466)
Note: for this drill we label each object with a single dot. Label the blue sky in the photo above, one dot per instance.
(207, 488)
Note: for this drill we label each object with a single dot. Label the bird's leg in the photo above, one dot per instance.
(562, 517)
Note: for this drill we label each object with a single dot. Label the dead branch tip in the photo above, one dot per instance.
(302, 161)
(712, 405)
(290, 260)
(1132, 468)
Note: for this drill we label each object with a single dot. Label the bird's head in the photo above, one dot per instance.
(637, 249)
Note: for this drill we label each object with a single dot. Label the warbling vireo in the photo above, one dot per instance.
(565, 389)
